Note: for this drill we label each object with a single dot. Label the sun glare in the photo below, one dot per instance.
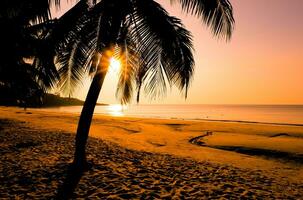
(116, 109)
(115, 65)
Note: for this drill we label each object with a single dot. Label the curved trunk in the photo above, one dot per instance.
(108, 37)
(87, 114)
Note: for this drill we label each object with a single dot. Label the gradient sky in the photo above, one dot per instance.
(262, 64)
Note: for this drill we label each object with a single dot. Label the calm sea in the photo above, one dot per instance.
(288, 114)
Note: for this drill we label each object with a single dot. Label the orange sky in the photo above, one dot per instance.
(262, 64)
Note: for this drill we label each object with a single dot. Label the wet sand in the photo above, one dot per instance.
(140, 158)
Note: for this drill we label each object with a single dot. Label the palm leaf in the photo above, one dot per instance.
(217, 14)
(165, 47)
(129, 65)
(27, 11)
(72, 67)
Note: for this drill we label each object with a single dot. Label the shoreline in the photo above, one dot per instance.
(171, 136)
(168, 118)
(250, 122)
(138, 157)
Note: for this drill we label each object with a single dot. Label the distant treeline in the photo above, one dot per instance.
(51, 100)
(46, 100)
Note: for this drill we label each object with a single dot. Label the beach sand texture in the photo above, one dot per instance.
(140, 158)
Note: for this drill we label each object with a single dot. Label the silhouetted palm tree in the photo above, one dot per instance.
(20, 78)
(155, 47)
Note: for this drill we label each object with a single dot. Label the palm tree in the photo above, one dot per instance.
(19, 78)
(155, 48)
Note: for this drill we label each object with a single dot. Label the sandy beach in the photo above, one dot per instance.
(137, 158)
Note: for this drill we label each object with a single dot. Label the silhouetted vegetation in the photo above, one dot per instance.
(50, 100)
(155, 48)
(23, 77)
(43, 100)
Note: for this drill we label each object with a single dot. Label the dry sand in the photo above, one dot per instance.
(150, 157)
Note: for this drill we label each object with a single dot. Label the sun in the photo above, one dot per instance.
(114, 65)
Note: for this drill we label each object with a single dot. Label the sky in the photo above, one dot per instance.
(261, 64)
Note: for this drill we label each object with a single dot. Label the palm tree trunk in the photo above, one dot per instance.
(87, 114)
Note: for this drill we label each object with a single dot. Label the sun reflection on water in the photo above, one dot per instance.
(116, 109)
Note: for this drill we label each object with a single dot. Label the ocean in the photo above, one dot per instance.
(281, 114)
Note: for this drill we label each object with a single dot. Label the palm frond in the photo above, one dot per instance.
(72, 64)
(27, 11)
(217, 14)
(51, 39)
(55, 3)
(165, 48)
(129, 65)
(66, 38)
(68, 26)
(181, 61)
(44, 62)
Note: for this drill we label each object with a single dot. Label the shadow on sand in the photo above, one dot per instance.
(293, 158)
(72, 178)
(267, 153)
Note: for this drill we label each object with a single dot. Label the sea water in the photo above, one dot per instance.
(284, 114)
